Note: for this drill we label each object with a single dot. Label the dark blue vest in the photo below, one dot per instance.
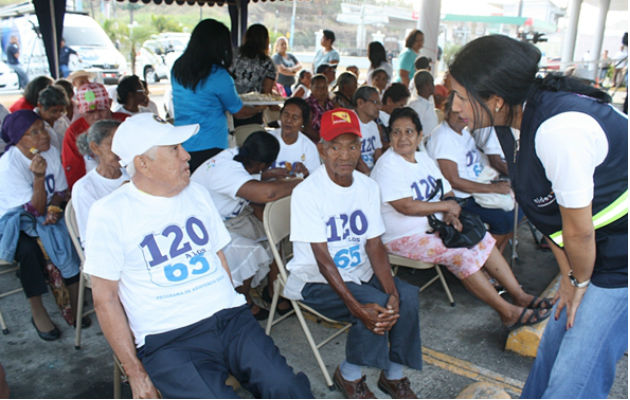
(533, 190)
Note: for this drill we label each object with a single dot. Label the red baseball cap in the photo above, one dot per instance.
(337, 122)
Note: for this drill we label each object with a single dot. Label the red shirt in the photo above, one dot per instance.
(71, 159)
(21, 104)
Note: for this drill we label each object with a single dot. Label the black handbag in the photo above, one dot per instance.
(473, 228)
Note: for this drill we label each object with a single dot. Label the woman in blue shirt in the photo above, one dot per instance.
(203, 90)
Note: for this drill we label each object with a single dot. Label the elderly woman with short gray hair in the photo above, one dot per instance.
(102, 180)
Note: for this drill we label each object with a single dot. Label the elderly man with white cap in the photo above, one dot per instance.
(159, 277)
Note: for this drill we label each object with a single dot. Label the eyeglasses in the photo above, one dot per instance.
(376, 102)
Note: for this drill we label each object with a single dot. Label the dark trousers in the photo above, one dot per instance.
(33, 267)
(194, 361)
(363, 347)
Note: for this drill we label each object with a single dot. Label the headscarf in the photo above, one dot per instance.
(16, 124)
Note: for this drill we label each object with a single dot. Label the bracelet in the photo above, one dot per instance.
(54, 209)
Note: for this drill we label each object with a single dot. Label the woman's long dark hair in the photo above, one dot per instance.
(256, 42)
(505, 67)
(210, 44)
(376, 54)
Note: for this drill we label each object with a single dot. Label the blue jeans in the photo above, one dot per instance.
(363, 347)
(580, 362)
(65, 70)
(22, 77)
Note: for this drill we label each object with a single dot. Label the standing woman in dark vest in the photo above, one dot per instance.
(569, 171)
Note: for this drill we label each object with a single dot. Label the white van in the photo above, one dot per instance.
(81, 33)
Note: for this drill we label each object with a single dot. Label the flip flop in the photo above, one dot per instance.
(537, 315)
(546, 303)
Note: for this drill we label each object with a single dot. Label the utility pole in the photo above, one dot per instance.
(292, 30)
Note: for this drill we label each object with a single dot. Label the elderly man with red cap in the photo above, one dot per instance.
(93, 104)
(340, 266)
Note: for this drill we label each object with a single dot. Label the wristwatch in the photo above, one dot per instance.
(575, 282)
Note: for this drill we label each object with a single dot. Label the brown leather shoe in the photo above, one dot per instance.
(352, 389)
(397, 388)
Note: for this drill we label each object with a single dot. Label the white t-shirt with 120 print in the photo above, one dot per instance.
(399, 179)
(163, 253)
(344, 217)
(370, 141)
(303, 150)
(447, 144)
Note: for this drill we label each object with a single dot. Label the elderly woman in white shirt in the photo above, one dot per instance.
(407, 177)
(102, 180)
(298, 154)
(453, 147)
(32, 194)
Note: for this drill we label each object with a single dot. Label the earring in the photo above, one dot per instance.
(497, 108)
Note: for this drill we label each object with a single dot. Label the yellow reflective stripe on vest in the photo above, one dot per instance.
(611, 213)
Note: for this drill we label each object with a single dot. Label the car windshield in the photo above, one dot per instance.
(85, 36)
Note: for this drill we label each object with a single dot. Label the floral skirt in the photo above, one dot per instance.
(428, 247)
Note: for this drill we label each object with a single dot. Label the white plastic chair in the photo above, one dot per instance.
(84, 279)
(397, 261)
(276, 220)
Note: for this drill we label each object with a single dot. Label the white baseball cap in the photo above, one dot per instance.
(140, 132)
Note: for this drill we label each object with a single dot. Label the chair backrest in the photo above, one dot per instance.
(277, 224)
(242, 132)
(73, 229)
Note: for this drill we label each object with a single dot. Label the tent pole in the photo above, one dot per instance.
(239, 16)
(55, 42)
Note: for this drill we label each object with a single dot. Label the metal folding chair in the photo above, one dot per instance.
(10, 268)
(276, 220)
(397, 261)
(84, 280)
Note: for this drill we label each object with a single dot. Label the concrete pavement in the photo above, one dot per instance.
(461, 345)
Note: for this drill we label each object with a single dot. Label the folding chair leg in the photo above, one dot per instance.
(445, 285)
(274, 303)
(117, 380)
(312, 343)
(77, 337)
(5, 330)
(514, 236)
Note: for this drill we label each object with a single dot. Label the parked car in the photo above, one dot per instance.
(81, 33)
(8, 78)
(157, 55)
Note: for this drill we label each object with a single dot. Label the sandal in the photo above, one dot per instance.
(537, 315)
(546, 303)
(281, 300)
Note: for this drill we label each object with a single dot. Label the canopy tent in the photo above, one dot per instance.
(50, 15)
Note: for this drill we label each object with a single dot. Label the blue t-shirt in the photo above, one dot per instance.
(406, 61)
(12, 50)
(324, 58)
(206, 106)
